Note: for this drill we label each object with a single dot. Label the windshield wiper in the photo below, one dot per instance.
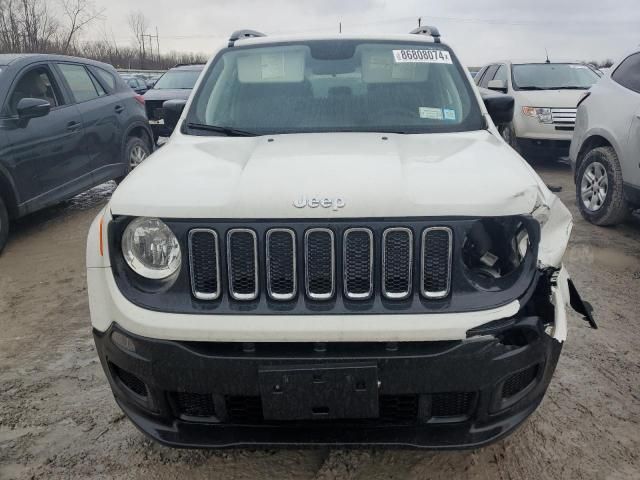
(531, 87)
(571, 87)
(228, 131)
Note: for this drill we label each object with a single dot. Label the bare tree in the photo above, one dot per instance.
(78, 14)
(139, 24)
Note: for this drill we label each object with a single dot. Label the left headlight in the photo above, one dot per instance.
(543, 114)
(151, 249)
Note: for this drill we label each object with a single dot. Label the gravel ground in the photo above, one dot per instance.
(58, 418)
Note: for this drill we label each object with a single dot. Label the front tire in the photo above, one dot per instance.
(4, 225)
(135, 152)
(599, 188)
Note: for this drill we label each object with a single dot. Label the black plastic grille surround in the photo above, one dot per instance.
(253, 284)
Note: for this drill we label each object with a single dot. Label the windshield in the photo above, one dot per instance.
(328, 86)
(553, 76)
(178, 79)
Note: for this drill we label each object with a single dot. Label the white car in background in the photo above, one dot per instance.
(546, 95)
(605, 152)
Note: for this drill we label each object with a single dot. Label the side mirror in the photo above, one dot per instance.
(499, 106)
(172, 112)
(498, 85)
(29, 108)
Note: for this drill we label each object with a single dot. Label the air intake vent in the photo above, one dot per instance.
(195, 405)
(451, 404)
(436, 262)
(281, 264)
(319, 249)
(129, 380)
(397, 262)
(205, 264)
(358, 263)
(517, 382)
(243, 409)
(398, 408)
(242, 261)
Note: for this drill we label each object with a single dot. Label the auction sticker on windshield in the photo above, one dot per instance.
(421, 56)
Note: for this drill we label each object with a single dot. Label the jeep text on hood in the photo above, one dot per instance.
(335, 231)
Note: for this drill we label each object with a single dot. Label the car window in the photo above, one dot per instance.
(628, 73)
(36, 83)
(329, 86)
(178, 79)
(553, 76)
(104, 76)
(501, 74)
(488, 75)
(80, 83)
(479, 75)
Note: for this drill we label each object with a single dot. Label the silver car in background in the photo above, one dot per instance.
(605, 150)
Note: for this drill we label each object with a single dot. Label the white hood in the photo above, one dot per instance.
(454, 174)
(549, 98)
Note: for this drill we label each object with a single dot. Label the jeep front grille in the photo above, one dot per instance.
(369, 261)
(282, 280)
(397, 262)
(205, 263)
(242, 261)
(436, 262)
(320, 263)
(357, 263)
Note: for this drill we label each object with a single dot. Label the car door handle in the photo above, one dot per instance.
(73, 126)
(119, 109)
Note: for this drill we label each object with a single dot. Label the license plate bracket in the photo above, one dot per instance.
(314, 392)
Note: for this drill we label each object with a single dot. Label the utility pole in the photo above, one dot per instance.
(157, 45)
(340, 27)
(151, 38)
(419, 22)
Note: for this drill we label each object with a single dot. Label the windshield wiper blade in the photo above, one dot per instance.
(571, 87)
(228, 131)
(531, 87)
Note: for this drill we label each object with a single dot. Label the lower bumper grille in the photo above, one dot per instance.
(454, 406)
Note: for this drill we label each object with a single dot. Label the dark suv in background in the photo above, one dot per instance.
(66, 125)
(175, 84)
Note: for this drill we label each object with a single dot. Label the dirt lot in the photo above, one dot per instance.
(59, 420)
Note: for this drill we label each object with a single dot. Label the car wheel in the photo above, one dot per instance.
(599, 188)
(4, 224)
(135, 152)
(508, 134)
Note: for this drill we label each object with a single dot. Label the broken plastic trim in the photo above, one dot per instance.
(583, 307)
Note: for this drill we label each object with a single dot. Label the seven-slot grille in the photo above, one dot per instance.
(366, 263)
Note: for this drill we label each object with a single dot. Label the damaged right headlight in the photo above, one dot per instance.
(495, 247)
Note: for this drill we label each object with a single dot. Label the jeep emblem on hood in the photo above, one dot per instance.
(315, 202)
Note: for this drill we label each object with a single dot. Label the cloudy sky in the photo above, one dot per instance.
(479, 30)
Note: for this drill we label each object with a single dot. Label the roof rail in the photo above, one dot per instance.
(240, 34)
(427, 30)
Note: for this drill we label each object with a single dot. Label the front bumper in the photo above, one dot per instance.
(439, 395)
(559, 148)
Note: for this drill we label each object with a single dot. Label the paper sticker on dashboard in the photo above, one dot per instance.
(422, 56)
(431, 113)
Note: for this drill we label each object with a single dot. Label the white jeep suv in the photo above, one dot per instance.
(335, 247)
(546, 95)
